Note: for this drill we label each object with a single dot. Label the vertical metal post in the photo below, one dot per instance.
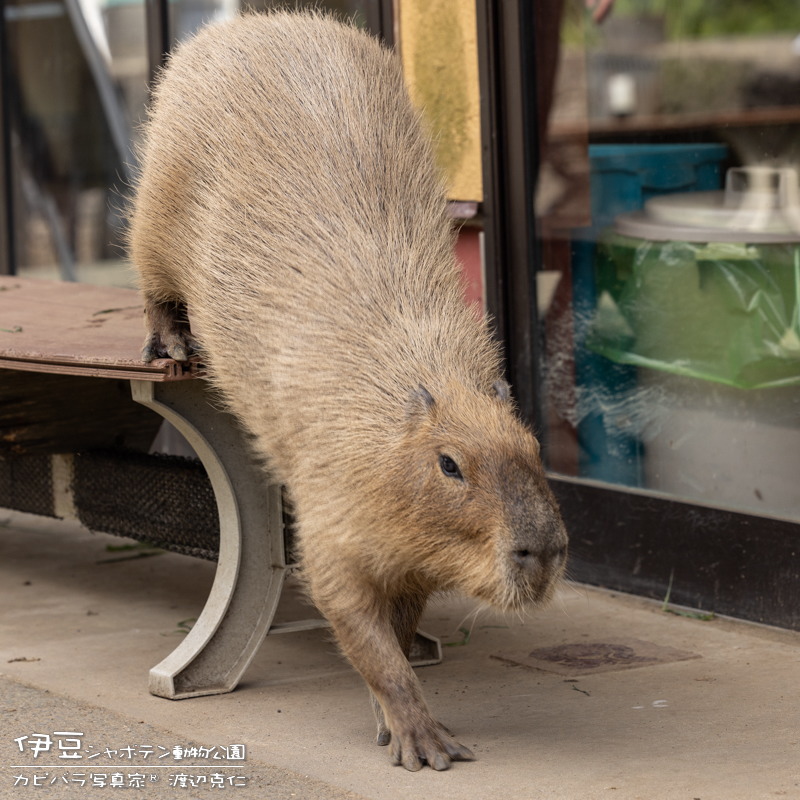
(510, 167)
(159, 41)
(380, 20)
(7, 248)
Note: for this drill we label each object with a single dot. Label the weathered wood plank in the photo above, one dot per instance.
(43, 413)
(77, 329)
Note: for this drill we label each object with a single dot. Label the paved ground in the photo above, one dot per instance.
(598, 696)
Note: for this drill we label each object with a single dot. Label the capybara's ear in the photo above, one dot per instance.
(420, 402)
(502, 390)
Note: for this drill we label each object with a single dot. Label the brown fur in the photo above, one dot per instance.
(289, 198)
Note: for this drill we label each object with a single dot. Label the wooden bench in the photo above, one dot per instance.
(73, 394)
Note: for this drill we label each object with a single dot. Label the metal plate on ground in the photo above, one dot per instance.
(584, 658)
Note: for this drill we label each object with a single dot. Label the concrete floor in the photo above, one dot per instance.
(710, 710)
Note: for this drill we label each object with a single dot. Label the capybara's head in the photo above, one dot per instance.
(484, 518)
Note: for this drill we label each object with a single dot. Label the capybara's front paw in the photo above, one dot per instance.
(178, 345)
(427, 744)
(170, 334)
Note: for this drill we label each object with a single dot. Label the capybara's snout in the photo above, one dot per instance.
(538, 559)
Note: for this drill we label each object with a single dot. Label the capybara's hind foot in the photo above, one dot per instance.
(169, 334)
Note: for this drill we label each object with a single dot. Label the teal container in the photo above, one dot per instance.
(625, 176)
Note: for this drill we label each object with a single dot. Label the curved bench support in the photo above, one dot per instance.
(251, 567)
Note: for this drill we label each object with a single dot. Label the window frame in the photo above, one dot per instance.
(624, 539)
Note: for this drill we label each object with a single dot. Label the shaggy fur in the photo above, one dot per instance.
(290, 200)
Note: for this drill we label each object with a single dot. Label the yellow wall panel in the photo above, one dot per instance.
(438, 45)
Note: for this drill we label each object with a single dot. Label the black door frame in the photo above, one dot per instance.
(627, 540)
(6, 224)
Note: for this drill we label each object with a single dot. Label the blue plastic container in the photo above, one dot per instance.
(623, 178)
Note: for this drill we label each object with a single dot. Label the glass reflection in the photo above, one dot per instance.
(186, 16)
(669, 215)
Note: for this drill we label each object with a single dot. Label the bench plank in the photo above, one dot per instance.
(77, 329)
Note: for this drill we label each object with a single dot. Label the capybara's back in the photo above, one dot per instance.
(289, 199)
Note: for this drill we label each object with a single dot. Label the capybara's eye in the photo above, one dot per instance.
(450, 468)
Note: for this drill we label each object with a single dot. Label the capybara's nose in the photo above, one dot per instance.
(542, 558)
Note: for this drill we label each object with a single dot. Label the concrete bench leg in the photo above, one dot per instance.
(251, 567)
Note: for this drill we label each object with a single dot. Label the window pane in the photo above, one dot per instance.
(668, 208)
(77, 85)
(186, 16)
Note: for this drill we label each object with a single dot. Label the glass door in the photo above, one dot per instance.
(647, 284)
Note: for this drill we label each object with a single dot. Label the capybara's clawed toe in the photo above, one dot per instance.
(383, 738)
(151, 349)
(177, 348)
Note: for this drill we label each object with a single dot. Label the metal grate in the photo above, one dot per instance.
(164, 500)
(26, 484)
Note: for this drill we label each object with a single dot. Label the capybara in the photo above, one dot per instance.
(289, 200)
